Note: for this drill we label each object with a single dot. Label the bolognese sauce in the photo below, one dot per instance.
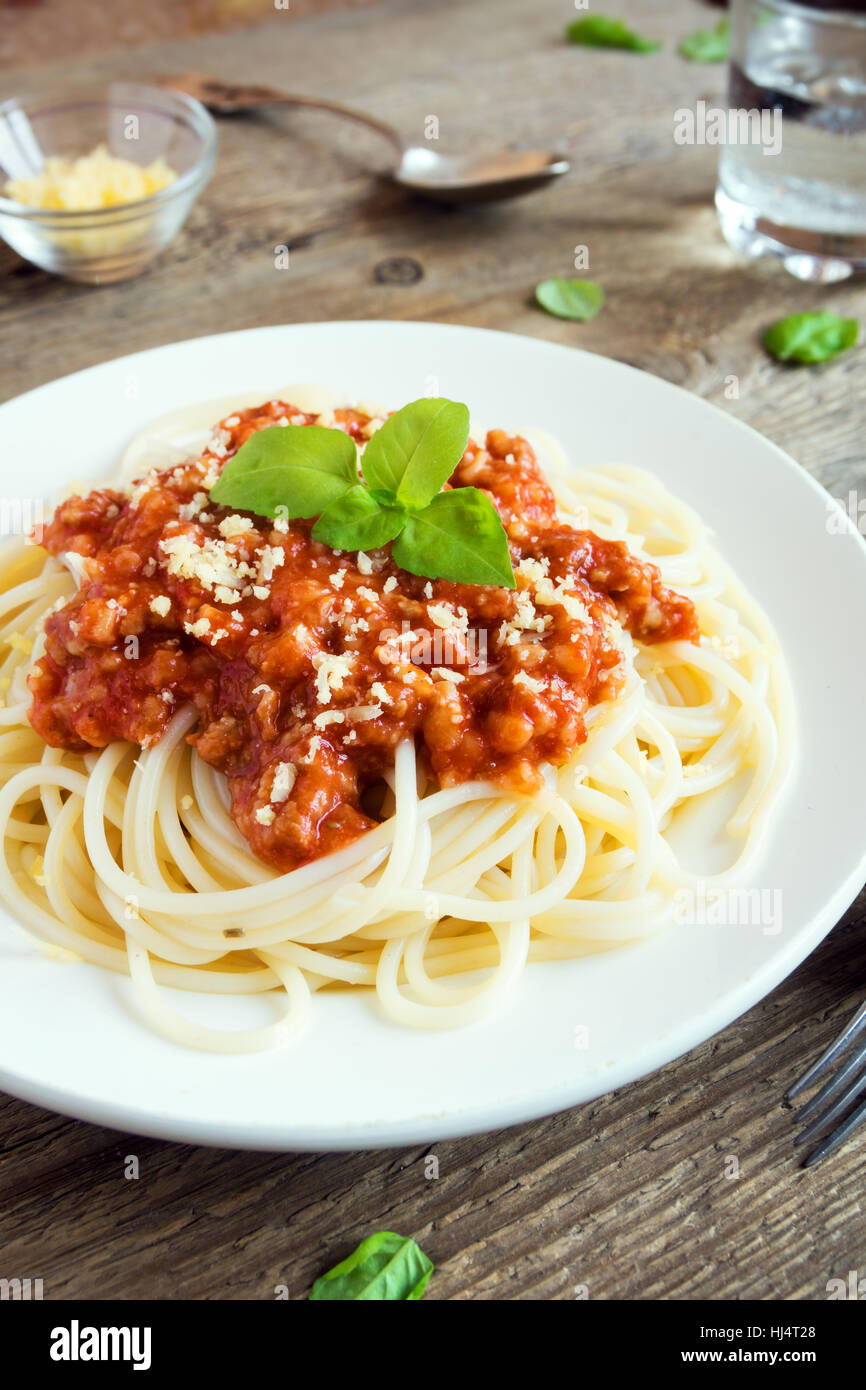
(307, 666)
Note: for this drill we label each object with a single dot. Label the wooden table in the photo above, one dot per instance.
(628, 1195)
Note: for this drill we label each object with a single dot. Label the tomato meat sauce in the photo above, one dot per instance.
(308, 666)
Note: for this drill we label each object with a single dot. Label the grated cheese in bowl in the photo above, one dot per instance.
(82, 206)
(95, 180)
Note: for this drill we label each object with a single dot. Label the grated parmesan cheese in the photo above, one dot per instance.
(188, 511)
(550, 594)
(329, 716)
(331, 670)
(521, 678)
(525, 620)
(211, 564)
(270, 559)
(284, 780)
(444, 616)
(360, 713)
(95, 180)
(234, 525)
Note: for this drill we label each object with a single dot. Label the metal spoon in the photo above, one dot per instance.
(448, 178)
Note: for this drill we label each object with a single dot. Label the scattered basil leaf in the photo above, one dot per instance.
(417, 449)
(300, 468)
(356, 521)
(600, 31)
(570, 299)
(459, 536)
(385, 1267)
(707, 45)
(811, 337)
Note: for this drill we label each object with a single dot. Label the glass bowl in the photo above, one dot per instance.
(135, 122)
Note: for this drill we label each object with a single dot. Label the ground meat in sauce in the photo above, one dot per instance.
(307, 667)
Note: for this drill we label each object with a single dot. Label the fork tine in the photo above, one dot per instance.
(836, 1083)
(851, 1029)
(835, 1110)
(838, 1136)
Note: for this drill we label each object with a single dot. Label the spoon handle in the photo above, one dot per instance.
(322, 104)
(229, 98)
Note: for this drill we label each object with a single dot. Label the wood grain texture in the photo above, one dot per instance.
(67, 30)
(628, 1195)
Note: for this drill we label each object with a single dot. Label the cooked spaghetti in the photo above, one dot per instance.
(235, 760)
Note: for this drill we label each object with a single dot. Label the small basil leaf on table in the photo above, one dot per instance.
(459, 536)
(299, 469)
(356, 521)
(600, 31)
(570, 299)
(385, 1267)
(707, 45)
(417, 449)
(810, 337)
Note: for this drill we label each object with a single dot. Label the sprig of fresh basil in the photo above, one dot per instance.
(385, 1267)
(570, 299)
(600, 31)
(707, 45)
(308, 471)
(811, 337)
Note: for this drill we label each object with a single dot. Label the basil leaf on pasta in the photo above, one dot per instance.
(356, 521)
(417, 449)
(299, 469)
(459, 536)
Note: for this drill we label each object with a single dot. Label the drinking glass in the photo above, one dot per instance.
(802, 195)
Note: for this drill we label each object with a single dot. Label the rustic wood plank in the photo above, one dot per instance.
(627, 1195)
(38, 30)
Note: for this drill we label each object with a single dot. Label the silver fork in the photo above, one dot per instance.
(847, 1086)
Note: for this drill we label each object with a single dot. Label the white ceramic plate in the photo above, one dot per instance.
(69, 1035)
